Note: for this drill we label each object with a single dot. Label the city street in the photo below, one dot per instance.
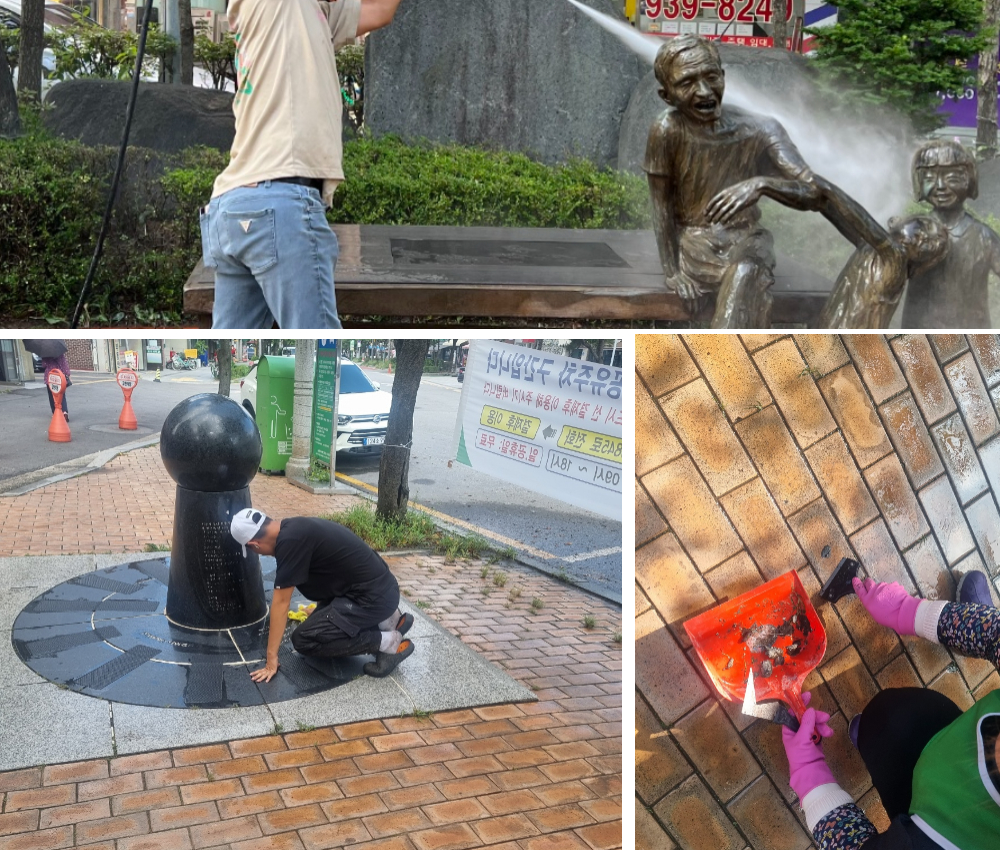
(557, 535)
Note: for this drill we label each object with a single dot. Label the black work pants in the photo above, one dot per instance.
(337, 629)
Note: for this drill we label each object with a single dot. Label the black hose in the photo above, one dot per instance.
(136, 74)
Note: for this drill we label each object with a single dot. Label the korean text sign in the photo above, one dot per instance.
(550, 423)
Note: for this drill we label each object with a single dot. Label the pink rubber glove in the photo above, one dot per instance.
(889, 604)
(806, 764)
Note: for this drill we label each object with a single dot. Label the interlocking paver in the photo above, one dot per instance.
(986, 348)
(671, 582)
(909, 435)
(948, 346)
(823, 352)
(973, 399)
(842, 483)
(896, 500)
(663, 362)
(655, 442)
(729, 371)
(760, 524)
(946, 516)
(696, 819)
(959, 455)
(820, 537)
(855, 414)
(924, 376)
(878, 367)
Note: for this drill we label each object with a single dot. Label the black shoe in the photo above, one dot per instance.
(386, 662)
(974, 587)
(404, 624)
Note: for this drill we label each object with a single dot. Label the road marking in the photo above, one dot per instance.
(597, 553)
(478, 529)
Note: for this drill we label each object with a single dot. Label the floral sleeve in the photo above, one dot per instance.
(973, 630)
(845, 828)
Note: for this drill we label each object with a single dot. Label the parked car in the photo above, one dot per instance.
(362, 411)
(56, 15)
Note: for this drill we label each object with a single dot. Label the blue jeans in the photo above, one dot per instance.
(273, 253)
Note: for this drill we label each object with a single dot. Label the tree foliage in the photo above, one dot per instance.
(901, 53)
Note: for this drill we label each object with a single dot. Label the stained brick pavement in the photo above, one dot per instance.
(761, 453)
(535, 776)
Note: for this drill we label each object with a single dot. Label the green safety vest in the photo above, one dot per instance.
(956, 783)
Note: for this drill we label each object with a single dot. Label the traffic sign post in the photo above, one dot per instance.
(127, 380)
(58, 427)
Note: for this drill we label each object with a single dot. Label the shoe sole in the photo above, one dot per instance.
(385, 663)
(404, 624)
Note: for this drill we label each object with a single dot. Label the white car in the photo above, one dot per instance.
(362, 411)
(55, 15)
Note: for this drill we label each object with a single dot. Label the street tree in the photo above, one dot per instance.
(394, 467)
(780, 23)
(986, 109)
(225, 355)
(32, 45)
(900, 53)
(10, 118)
(187, 43)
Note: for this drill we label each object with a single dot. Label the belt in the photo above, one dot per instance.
(310, 182)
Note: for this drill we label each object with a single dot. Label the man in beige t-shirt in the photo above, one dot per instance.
(265, 231)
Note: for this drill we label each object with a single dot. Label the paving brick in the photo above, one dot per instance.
(46, 839)
(662, 672)
(74, 813)
(753, 342)
(334, 835)
(730, 373)
(927, 657)
(320, 792)
(663, 362)
(141, 762)
(735, 576)
(823, 352)
(836, 635)
(108, 828)
(948, 346)
(764, 739)
(879, 555)
(649, 835)
(899, 673)
(897, 501)
(176, 817)
(655, 443)
(175, 839)
(778, 459)
(25, 821)
(852, 684)
(236, 767)
(793, 388)
(40, 798)
(123, 784)
(272, 780)
(378, 762)
(952, 685)
(845, 762)
(312, 738)
(573, 791)
(856, 415)
(959, 457)
(175, 776)
(457, 811)
(820, 538)
(716, 749)
(218, 790)
(329, 770)
(81, 771)
(283, 820)
(989, 454)
(693, 816)
(671, 582)
(364, 729)
(649, 523)
(765, 819)
(871, 805)
(284, 841)
(974, 670)
(946, 517)
(986, 348)
(200, 755)
(370, 784)
(455, 836)
(988, 685)
(603, 810)
(506, 828)
(421, 775)
(759, 522)
(693, 513)
(355, 807)
(456, 789)
(227, 831)
(877, 365)
(840, 480)
(394, 823)
(905, 427)
(705, 431)
(570, 816)
(927, 566)
(143, 801)
(985, 524)
(293, 758)
(973, 399)
(924, 376)
(18, 780)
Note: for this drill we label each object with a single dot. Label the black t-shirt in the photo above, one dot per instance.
(325, 561)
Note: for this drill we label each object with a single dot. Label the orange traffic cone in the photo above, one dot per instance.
(127, 420)
(390, 368)
(58, 427)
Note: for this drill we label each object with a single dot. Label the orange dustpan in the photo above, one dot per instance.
(772, 630)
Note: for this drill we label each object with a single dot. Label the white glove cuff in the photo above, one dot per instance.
(926, 622)
(822, 800)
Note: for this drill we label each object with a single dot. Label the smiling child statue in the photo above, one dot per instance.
(708, 166)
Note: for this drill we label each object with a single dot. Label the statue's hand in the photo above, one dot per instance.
(730, 201)
(694, 300)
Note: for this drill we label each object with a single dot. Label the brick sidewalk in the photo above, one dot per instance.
(535, 776)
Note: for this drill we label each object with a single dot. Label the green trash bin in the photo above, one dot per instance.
(275, 399)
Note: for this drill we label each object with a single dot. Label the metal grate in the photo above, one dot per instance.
(240, 689)
(100, 677)
(108, 584)
(300, 674)
(156, 569)
(47, 647)
(204, 685)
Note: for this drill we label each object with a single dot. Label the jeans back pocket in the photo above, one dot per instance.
(205, 220)
(252, 239)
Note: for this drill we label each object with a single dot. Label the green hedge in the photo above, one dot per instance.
(52, 196)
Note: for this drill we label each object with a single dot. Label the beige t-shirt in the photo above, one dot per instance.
(288, 102)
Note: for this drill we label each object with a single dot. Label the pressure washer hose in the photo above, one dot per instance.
(136, 74)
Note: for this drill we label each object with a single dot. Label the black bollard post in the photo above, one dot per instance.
(211, 447)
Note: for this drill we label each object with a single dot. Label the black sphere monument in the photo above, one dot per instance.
(211, 447)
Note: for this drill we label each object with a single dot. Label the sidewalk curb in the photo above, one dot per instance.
(590, 587)
(71, 468)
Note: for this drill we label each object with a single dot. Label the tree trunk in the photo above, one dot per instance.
(225, 355)
(780, 10)
(29, 74)
(10, 118)
(305, 368)
(393, 469)
(187, 42)
(986, 113)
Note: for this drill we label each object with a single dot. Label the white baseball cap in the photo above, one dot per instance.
(245, 525)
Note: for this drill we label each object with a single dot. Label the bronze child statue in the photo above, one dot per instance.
(954, 293)
(708, 165)
(868, 290)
